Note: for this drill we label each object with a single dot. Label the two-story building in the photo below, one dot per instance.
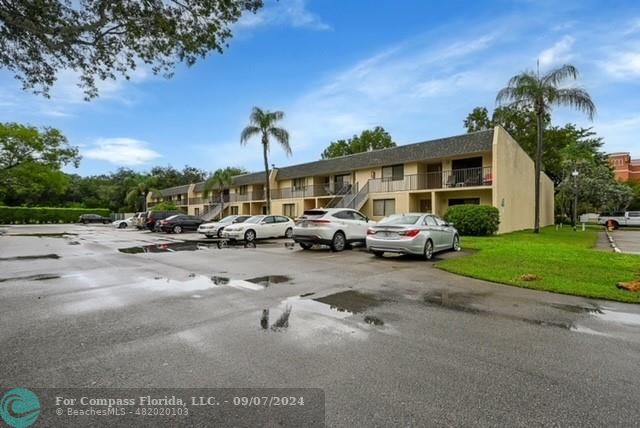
(486, 167)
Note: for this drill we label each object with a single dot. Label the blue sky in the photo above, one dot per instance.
(337, 67)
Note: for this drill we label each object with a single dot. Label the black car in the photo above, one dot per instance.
(93, 218)
(154, 216)
(179, 223)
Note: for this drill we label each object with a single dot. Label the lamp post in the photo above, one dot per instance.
(575, 174)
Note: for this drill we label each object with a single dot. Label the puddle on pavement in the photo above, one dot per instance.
(350, 301)
(460, 301)
(307, 294)
(576, 309)
(269, 280)
(35, 257)
(373, 320)
(37, 277)
(172, 247)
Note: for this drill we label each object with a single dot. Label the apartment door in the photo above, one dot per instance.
(196, 212)
(434, 176)
(425, 206)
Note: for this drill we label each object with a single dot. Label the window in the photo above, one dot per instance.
(393, 173)
(289, 210)
(234, 210)
(634, 213)
(281, 219)
(384, 207)
(243, 189)
(358, 216)
(269, 219)
(299, 183)
(464, 201)
(196, 211)
(430, 221)
(343, 215)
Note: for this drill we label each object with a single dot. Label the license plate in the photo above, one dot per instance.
(389, 235)
(305, 224)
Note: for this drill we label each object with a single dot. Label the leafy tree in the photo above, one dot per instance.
(220, 180)
(635, 189)
(262, 123)
(137, 196)
(165, 206)
(478, 120)
(541, 93)
(169, 176)
(370, 139)
(104, 38)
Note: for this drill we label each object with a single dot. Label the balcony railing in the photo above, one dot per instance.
(245, 197)
(468, 177)
(328, 189)
(209, 200)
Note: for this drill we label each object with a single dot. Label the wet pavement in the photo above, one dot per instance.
(392, 341)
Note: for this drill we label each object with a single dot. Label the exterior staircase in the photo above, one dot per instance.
(358, 200)
(344, 192)
(213, 212)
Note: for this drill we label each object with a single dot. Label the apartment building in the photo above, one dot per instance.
(486, 167)
(625, 168)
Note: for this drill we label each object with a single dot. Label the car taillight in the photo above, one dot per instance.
(410, 233)
(321, 221)
(371, 232)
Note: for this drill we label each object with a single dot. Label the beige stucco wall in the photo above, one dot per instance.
(514, 178)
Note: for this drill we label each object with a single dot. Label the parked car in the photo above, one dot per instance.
(618, 219)
(179, 223)
(154, 216)
(260, 226)
(413, 233)
(215, 228)
(123, 224)
(141, 220)
(93, 218)
(336, 227)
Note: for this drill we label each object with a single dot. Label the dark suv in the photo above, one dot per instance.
(154, 216)
(93, 218)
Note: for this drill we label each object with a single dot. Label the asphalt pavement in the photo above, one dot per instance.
(392, 342)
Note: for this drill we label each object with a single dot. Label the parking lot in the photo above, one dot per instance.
(392, 341)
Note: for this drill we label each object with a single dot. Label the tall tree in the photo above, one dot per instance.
(263, 123)
(137, 196)
(531, 90)
(220, 180)
(104, 38)
(370, 139)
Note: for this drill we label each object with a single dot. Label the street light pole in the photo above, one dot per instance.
(575, 174)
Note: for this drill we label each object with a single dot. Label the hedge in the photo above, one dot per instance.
(24, 215)
(474, 220)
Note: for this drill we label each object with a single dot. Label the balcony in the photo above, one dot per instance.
(456, 178)
(327, 189)
(209, 200)
(246, 197)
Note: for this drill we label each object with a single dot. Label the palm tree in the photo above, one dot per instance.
(262, 122)
(144, 187)
(221, 179)
(531, 90)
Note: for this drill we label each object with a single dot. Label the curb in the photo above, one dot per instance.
(612, 243)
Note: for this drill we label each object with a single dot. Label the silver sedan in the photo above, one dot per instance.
(412, 233)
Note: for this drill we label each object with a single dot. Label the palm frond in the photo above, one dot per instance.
(282, 136)
(209, 184)
(557, 76)
(275, 116)
(256, 116)
(155, 193)
(577, 98)
(132, 196)
(523, 87)
(248, 132)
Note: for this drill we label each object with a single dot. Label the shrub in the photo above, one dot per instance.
(164, 206)
(24, 215)
(475, 220)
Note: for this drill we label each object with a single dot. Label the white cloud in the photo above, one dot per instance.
(121, 151)
(292, 13)
(559, 53)
(623, 65)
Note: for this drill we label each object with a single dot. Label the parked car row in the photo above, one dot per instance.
(412, 233)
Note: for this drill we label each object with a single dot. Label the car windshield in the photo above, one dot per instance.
(241, 219)
(172, 217)
(228, 219)
(255, 219)
(401, 219)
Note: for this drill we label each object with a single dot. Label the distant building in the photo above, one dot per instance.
(625, 168)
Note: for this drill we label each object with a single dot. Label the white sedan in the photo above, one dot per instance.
(215, 228)
(123, 224)
(260, 226)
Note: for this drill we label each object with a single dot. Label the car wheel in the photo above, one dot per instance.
(250, 235)
(122, 226)
(615, 224)
(288, 233)
(305, 245)
(209, 236)
(219, 233)
(456, 243)
(428, 250)
(378, 253)
(177, 229)
(339, 242)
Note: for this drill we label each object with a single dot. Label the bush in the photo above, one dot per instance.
(475, 220)
(164, 206)
(25, 215)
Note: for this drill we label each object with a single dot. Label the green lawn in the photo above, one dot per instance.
(563, 260)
